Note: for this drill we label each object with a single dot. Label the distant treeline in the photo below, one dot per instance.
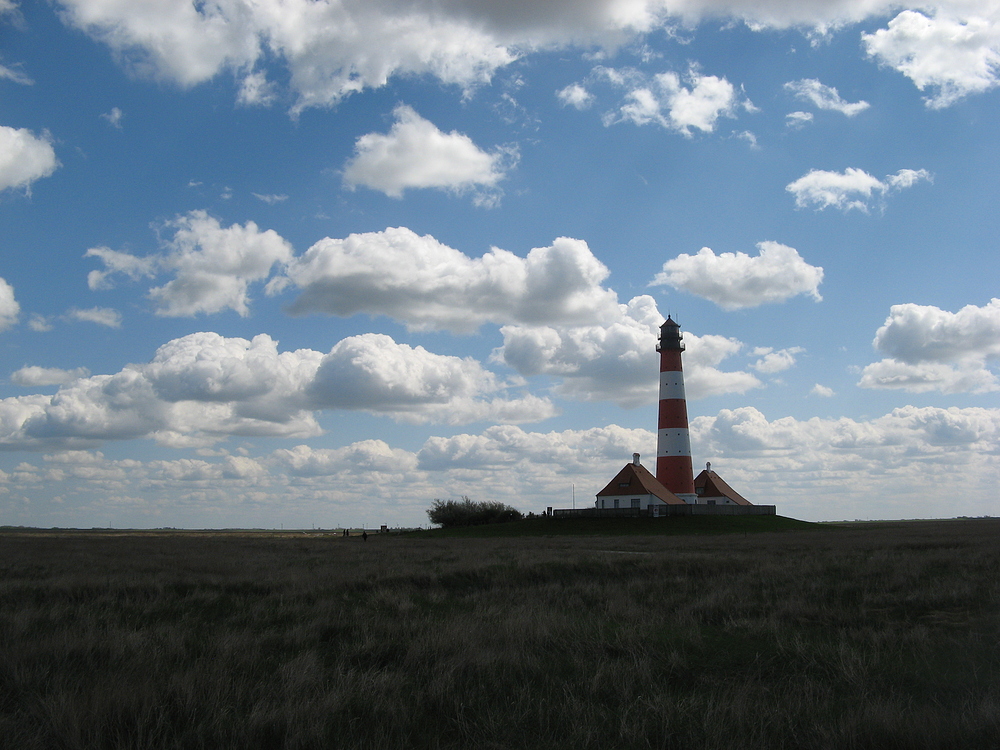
(468, 512)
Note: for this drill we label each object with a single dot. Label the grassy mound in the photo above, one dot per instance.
(630, 526)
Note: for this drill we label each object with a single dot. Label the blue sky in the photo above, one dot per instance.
(319, 263)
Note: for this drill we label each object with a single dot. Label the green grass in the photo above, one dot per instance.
(875, 636)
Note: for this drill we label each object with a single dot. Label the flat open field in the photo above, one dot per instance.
(863, 636)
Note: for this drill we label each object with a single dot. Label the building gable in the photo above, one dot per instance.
(635, 480)
(708, 485)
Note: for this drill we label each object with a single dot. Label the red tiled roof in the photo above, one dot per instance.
(636, 479)
(715, 486)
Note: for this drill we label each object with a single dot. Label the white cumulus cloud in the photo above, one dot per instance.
(332, 48)
(208, 367)
(33, 376)
(395, 272)
(14, 74)
(115, 262)
(953, 49)
(270, 199)
(737, 280)
(509, 447)
(427, 284)
(102, 316)
(9, 306)
(212, 266)
(256, 90)
(24, 158)
(575, 96)
(851, 189)
(824, 97)
(616, 361)
(774, 361)
(371, 372)
(924, 377)
(416, 154)
(367, 457)
(215, 266)
(39, 323)
(930, 349)
(114, 117)
(672, 101)
(924, 333)
(798, 119)
(749, 137)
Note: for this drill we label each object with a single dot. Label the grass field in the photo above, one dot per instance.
(861, 636)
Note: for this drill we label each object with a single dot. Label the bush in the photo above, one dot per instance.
(466, 512)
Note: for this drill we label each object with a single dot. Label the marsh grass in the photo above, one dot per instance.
(872, 636)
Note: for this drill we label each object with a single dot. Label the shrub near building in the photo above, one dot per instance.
(467, 512)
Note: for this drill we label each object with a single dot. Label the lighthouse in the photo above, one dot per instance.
(674, 491)
(673, 442)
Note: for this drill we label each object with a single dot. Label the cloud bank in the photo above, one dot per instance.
(868, 468)
(397, 273)
(801, 465)
(204, 387)
(334, 48)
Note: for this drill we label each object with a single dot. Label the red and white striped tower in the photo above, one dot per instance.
(673, 442)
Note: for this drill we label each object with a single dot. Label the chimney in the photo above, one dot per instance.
(635, 459)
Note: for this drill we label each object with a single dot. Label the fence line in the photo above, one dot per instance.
(666, 510)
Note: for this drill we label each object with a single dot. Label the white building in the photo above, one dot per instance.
(636, 487)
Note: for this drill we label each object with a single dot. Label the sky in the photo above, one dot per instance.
(315, 263)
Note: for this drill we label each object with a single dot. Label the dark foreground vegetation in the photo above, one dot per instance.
(468, 512)
(869, 636)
